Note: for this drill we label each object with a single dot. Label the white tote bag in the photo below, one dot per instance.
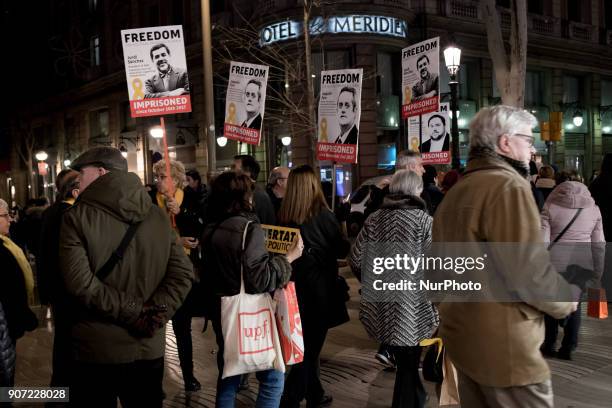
(250, 336)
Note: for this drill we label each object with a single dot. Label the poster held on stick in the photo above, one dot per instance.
(420, 78)
(339, 115)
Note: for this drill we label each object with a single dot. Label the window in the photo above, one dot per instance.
(94, 51)
(128, 123)
(608, 14)
(571, 89)
(535, 6)
(534, 88)
(574, 10)
(503, 3)
(99, 127)
(177, 12)
(93, 6)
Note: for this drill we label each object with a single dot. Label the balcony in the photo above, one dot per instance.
(581, 32)
(543, 25)
(463, 9)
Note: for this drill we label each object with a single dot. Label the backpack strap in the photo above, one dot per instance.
(117, 254)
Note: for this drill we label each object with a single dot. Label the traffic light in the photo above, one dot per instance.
(556, 126)
(545, 131)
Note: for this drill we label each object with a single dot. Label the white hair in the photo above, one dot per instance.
(4, 205)
(492, 122)
(405, 158)
(406, 182)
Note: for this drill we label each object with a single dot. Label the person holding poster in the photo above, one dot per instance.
(347, 112)
(439, 139)
(428, 85)
(252, 101)
(169, 80)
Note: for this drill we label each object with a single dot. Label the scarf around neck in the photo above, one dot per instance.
(24, 265)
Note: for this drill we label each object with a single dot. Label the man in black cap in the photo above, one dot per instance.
(121, 261)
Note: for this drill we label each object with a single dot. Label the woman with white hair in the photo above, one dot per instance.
(399, 320)
(16, 282)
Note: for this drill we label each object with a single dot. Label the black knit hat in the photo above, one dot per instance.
(101, 156)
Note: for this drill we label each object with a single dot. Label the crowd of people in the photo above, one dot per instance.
(116, 261)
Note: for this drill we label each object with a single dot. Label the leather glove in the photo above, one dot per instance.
(579, 276)
(151, 318)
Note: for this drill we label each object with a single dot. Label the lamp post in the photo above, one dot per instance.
(452, 58)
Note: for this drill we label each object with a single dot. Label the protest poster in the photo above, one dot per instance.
(339, 115)
(420, 74)
(279, 239)
(430, 135)
(156, 71)
(245, 102)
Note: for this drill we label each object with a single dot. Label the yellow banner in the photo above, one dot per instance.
(280, 239)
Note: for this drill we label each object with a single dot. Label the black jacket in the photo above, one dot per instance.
(223, 258)
(601, 190)
(316, 272)
(50, 283)
(14, 297)
(263, 206)
(426, 146)
(7, 353)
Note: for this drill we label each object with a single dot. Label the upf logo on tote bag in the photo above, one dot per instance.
(255, 330)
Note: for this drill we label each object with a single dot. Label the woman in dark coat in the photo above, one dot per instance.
(16, 282)
(320, 292)
(7, 354)
(231, 213)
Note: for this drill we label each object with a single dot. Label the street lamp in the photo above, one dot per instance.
(578, 119)
(41, 155)
(452, 58)
(156, 132)
(222, 141)
(286, 140)
(67, 163)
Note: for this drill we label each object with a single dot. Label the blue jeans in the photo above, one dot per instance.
(271, 384)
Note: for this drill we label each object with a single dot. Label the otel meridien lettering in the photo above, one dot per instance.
(356, 24)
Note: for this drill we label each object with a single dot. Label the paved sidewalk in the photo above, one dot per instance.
(349, 371)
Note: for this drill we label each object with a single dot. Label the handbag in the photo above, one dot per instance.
(289, 324)
(433, 361)
(250, 336)
(597, 303)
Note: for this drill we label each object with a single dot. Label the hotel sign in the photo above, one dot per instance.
(353, 24)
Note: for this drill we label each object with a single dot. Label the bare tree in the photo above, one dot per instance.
(509, 67)
(25, 148)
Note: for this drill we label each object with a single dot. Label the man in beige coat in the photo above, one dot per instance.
(495, 345)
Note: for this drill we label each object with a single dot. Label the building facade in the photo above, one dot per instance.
(569, 69)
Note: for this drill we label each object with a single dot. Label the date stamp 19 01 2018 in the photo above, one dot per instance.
(34, 394)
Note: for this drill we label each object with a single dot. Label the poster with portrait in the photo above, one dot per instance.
(339, 115)
(156, 71)
(245, 102)
(420, 78)
(430, 135)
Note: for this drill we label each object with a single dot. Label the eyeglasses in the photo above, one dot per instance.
(7, 216)
(530, 139)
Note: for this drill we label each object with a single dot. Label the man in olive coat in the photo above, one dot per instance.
(495, 346)
(118, 336)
